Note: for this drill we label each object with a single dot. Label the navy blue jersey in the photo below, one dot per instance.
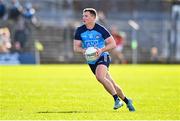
(92, 37)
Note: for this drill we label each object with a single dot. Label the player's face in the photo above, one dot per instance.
(88, 18)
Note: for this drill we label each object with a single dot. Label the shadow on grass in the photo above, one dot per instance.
(65, 112)
(75, 112)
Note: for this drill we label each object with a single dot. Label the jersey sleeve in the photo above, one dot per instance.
(105, 33)
(77, 35)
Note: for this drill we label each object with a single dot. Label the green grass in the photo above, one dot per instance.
(66, 92)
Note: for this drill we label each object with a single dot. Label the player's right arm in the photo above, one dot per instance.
(78, 47)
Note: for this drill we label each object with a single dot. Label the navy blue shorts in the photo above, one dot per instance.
(105, 60)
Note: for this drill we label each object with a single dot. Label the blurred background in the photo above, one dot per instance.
(42, 31)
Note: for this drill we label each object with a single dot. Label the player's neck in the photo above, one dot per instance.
(90, 25)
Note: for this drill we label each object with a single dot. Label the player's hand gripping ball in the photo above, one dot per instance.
(91, 54)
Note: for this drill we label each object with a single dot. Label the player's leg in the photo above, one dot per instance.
(116, 86)
(121, 57)
(101, 72)
(120, 93)
(118, 53)
(115, 54)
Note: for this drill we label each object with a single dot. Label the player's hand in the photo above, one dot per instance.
(83, 51)
(99, 51)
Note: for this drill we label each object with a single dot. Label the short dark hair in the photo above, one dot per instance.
(91, 10)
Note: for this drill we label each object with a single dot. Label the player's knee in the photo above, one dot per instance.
(100, 78)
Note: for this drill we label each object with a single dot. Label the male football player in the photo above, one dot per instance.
(91, 34)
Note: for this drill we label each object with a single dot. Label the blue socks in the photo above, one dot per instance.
(115, 97)
(126, 100)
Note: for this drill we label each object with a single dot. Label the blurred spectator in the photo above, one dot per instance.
(102, 18)
(120, 41)
(23, 19)
(15, 10)
(154, 55)
(20, 34)
(2, 9)
(29, 14)
(29, 11)
(5, 43)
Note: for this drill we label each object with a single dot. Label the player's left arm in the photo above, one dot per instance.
(110, 44)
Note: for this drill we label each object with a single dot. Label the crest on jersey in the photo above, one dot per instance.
(97, 36)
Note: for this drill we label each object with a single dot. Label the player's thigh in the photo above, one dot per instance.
(108, 76)
(101, 71)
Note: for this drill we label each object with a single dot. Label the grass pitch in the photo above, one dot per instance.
(71, 92)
